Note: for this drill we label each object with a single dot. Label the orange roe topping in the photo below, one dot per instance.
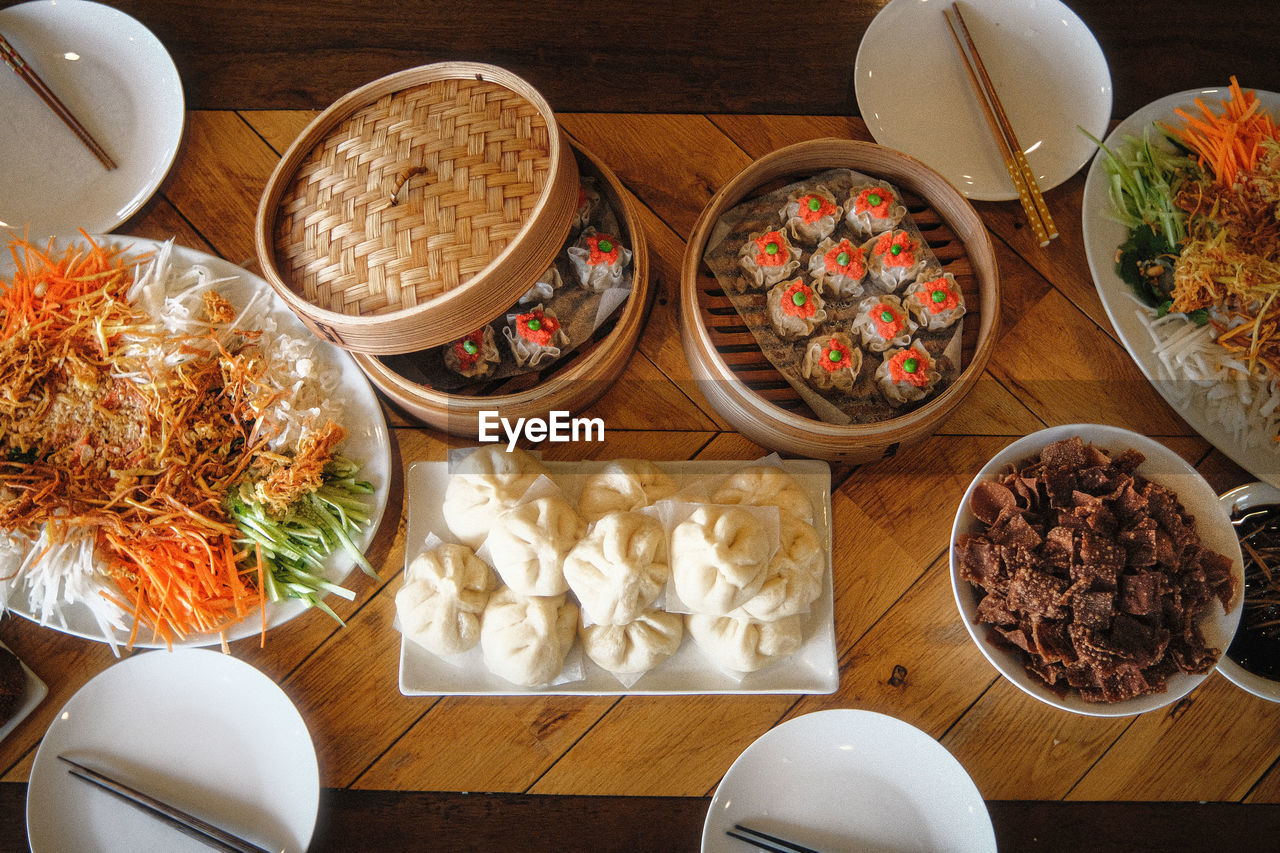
(888, 323)
(771, 250)
(813, 207)
(604, 250)
(874, 200)
(536, 326)
(910, 366)
(896, 249)
(854, 264)
(797, 299)
(937, 296)
(835, 356)
(468, 349)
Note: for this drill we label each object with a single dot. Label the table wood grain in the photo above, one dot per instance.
(674, 133)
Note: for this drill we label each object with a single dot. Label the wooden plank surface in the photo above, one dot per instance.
(901, 646)
(653, 56)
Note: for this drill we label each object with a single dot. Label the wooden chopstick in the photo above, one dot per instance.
(1015, 160)
(193, 826)
(15, 61)
(766, 842)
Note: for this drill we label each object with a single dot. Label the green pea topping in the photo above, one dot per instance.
(815, 203)
(835, 355)
(771, 248)
(895, 249)
(886, 316)
(874, 199)
(842, 259)
(535, 324)
(605, 246)
(799, 298)
(911, 365)
(470, 347)
(939, 296)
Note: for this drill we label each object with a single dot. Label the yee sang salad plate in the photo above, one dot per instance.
(1047, 67)
(201, 451)
(204, 731)
(850, 780)
(118, 80)
(1225, 394)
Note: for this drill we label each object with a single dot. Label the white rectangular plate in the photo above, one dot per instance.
(813, 669)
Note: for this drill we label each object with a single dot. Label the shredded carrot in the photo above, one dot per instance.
(1227, 143)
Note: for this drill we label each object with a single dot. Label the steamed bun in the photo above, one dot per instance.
(744, 645)
(637, 646)
(485, 483)
(445, 590)
(624, 484)
(719, 556)
(620, 568)
(528, 544)
(794, 578)
(525, 639)
(765, 485)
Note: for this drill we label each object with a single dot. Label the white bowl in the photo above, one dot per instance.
(1162, 466)
(1241, 498)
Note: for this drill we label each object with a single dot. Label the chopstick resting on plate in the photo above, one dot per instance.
(764, 841)
(1015, 160)
(217, 838)
(15, 61)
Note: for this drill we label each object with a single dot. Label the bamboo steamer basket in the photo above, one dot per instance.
(573, 382)
(744, 387)
(417, 207)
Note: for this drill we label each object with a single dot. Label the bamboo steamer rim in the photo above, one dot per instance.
(450, 313)
(812, 436)
(585, 379)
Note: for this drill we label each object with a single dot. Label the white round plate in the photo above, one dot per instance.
(1163, 467)
(1102, 235)
(203, 731)
(1046, 66)
(118, 80)
(368, 443)
(850, 780)
(1242, 498)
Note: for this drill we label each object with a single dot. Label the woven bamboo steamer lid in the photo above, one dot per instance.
(417, 207)
(748, 392)
(575, 382)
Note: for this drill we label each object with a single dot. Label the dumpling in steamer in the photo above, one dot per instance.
(474, 356)
(839, 268)
(795, 573)
(882, 322)
(935, 299)
(624, 484)
(767, 258)
(482, 486)
(831, 361)
(620, 568)
(719, 556)
(765, 485)
(795, 308)
(535, 336)
(893, 258)
(907, 375)
(445, 592)
(528, 544)
(811, 215)
(525, 639)
(599, 260)
(744, 645)
(873, 209)
(637, 646)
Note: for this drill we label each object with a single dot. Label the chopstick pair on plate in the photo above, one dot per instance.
(15, 61)
(1015, 160)
(765, 841)
(201, 830)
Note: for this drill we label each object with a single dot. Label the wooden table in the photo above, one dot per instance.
(560, 761)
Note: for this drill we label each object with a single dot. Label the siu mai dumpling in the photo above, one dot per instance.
(474, 356)
(907, 375)
(599, 260)
(873, 209)
(839, 268)
(882, 322)
(811, 215)
(935, 300)
(795, 308)
(767, 258)
(535, 336)
(893, 258)
(831, 362)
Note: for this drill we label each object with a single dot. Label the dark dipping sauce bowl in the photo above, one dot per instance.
(1256, 646)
